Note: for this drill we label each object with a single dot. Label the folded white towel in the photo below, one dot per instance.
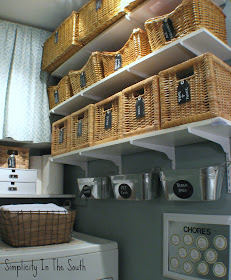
(33, 207)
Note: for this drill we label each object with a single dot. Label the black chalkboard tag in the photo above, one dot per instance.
(169, 31)
(56, 97)
(56, 37)
(118, 62)
(183, 189)
(79, 128)
(83, 80)
(125, 191)
(183, 92)
(108, 120)
(98, 4)
(86, 191)
(139, 108)
(61, 136)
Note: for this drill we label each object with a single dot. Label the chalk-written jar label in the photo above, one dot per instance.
(183, 92)
(83, 80)
(183, 189)
(61, 136)
(118, 62)
(168, 29)
(139, 108)
(98, 4)
(56, 97)
(108, 120)
(125, 191)
(79, 128)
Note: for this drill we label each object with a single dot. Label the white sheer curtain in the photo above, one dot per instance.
(24, 109)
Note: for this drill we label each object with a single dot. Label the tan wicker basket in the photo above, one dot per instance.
(82, 124)
(195, 90)
(62, 44)
(21, 156)
(91, 73)
(60, 93)
(96, 16)
(136, 47)
(131, 4)
(21, 228)
(61, 136)
(189, 16)
(141, 107)
(108, 119)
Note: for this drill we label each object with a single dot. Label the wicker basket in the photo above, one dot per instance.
(141, 107)
(91, 73)
(96, 16)
(130, 5)
(189, 16)
(108, 119)
(21, 228)
(21, 156)
(195, 90)
(136, 47)
(60, 93)
(61, 136)
(82, 123)
(62, 44)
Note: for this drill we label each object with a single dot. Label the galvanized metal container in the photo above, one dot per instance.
(193, 184)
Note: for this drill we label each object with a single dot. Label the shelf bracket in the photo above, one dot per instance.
(92, 97)
(117, 160)
(190, 48)
(138, 73)
(224, 142)
(168, 150)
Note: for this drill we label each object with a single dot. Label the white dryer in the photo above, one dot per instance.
(84, 258)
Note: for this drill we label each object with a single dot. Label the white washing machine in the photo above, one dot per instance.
(84, 258)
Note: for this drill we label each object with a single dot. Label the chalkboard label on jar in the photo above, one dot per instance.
(183, 92)
(168, 29)
(61, 135)
(125, 191)
(56, 37)
(118, 62)
(79, 128)
(83, 80)
(108, 120)
(183, 189)
(86, 191)
(98, 4)
(139, 108)
(56, 97)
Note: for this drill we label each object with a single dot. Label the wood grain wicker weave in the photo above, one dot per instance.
(62, 44)
(61, 136)
(60, 93)
(135, 119)
(93, 21)
(108, 119)
(205, 93)
(91, 73)
(82, 128)
(21, 156)
(28, 228)
(189, 16)
(136, 47)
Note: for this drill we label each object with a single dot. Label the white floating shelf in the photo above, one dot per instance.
(189, 46)
(37, 196)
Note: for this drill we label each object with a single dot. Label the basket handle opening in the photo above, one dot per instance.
(107, 107)
(180, 75)
(81, 116)
(61, 126)
(138, 93)
(10, 152)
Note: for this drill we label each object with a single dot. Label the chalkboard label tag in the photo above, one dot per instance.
(183, 92)
(56, 97)
(56, 37)
(108, 120)
(61, 136)
(169, 31)
(83, 80)
(79, 128)
(118, 62)
(98, 4)
(139, 108)
(125, 191)
(183, 189)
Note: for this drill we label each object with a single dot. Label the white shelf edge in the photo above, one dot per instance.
(37, 196)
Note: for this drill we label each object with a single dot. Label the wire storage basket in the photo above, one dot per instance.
(21, 156)
(136, 47)
(60, 93)
(90, 73)
(189, 16)
(30, 228)
(82, 128)
(108, 119)
(96, 16)
(62, 44)
(195, 90)
(141, 107)
(61, 136)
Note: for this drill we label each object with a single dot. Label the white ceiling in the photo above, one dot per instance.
(44, 14)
